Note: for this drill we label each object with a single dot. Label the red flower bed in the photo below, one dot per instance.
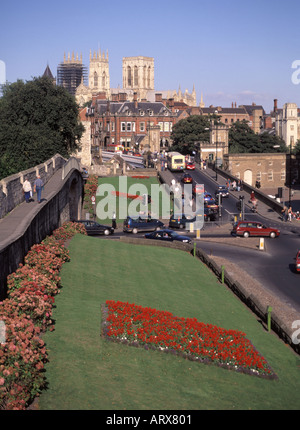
(136, 325)
(128, 196)
(141, 177)
(26, 313)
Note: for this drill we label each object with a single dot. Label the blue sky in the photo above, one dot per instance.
(232, 51)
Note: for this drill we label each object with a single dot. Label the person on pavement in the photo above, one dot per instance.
(27, 190)
(38, 186)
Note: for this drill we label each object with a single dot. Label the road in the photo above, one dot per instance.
(274, 268)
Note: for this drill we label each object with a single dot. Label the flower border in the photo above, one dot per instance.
(137, 326)
(27, 314)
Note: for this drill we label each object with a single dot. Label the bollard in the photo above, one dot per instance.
(222, 274)
(269, 311)
(261, 243)
(198, 234)
(194, 249)
(191, 227)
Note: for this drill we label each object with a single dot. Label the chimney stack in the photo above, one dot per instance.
(275, 105)
(135, 100)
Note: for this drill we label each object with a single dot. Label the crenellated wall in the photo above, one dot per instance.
(11, 188)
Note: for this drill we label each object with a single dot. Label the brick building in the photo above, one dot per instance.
(269, 169)
(136, 125)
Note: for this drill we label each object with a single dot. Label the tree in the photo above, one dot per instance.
(188, 131)
(37, 120)
(296, 149)
(242, 139)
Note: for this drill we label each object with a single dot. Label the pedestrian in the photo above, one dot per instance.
(234, 185)
(290, 213)
(27, 190)
(252, 197)
(37, 187)
(114, 224)
(284, 213)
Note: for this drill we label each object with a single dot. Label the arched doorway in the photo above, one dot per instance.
(248, 177)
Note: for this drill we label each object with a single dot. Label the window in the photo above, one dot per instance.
(282, 175)
(123, 126)
(258, 176)
(161, 125)
(142, 126)
(128, 126)
(270, 175)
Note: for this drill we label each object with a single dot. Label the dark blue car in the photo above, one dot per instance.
(134, 225)
(168, 236)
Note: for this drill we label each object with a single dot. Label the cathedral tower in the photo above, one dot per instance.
(99, 80)
(138, 74)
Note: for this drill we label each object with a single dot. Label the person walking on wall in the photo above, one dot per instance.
(37, 187)
(27, 190)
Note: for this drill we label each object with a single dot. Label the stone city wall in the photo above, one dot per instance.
(11, 188)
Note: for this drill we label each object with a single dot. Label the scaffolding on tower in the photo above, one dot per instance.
(71, 73)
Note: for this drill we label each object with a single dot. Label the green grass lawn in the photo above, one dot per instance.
(135, 186)
(87, 372)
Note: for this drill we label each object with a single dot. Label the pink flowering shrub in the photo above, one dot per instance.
(27, 313)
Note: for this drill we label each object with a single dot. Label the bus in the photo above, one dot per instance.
(175, 161)
(115, 148)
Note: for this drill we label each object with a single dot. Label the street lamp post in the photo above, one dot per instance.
(290, 176)
(216, 152)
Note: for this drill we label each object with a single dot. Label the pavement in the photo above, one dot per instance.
(263, 209)
(14, 223)
(12, 226)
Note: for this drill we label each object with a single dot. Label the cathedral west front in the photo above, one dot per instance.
(137, 78)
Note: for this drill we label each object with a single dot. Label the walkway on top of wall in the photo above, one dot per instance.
(12, 226)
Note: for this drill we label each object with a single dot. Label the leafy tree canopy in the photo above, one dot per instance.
(189, 130)
(37, 120)
(242, 139)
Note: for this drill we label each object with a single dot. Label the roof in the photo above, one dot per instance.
(157, 108)
(48, 73)
(251, 108)
(234, 110)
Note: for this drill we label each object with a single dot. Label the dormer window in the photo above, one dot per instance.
(142, 113)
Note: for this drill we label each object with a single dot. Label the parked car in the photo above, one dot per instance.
(187, 179)
(190, 166)
(223, 190)
(93, 228)
(168, 236)
(134, 225)
(180, 221)
(254, 228)
(297, 264)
